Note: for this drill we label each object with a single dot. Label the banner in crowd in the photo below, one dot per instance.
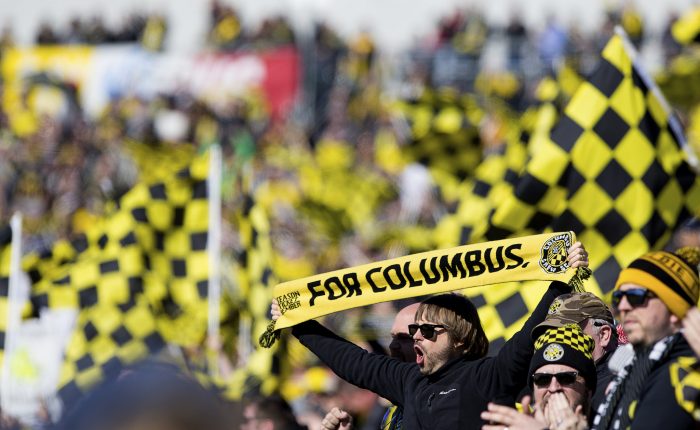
(102, 73)
(541, 257)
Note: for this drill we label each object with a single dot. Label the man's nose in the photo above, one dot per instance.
(554, 385)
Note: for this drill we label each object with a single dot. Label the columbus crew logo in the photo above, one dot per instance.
(553, 352)
(554, 252)
(554, 307)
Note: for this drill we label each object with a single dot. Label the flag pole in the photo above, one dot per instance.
(214, 241)
(13, 306)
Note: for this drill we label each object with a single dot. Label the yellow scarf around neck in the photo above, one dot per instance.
(540, 257)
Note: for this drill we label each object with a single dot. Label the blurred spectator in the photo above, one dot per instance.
(225, 31)
(552, 44)
(153, 396)
(153, 35)
(268, 413)
(516, 36)
(46, 34)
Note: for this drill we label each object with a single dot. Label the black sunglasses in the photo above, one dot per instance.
(543, 380)
(635, 296)
(427, 330)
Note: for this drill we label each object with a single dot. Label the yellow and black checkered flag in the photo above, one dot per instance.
(108, 337)
(444, 134)
(614, 171)
(687, 29)
(139, 277)
(5, 253)
(158, 228)
(172, 223)
(256, 278)
(499, 172)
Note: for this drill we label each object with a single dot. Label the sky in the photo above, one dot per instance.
(395, 24)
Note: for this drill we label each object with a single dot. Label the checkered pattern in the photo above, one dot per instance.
(256, 279)
(172, 220)
(138, 276)
(504, 308)
(108, 337)
(5, 245)
(557, 258)
(443, 131)
(158, 228)
(499, 172)
(571, 335)
(338, 195)
(613, 171)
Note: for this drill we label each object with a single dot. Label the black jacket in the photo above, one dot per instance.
(657, 407)
(451, 398)
(604, 377)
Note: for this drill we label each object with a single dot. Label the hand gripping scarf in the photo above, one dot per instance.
(540, 257)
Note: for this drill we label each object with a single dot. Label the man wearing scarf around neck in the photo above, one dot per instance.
(651, 297)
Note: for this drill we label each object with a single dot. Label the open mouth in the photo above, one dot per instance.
(420, 355)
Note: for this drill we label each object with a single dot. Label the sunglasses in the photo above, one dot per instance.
(542, 380)
(635, 296)
(427, 330)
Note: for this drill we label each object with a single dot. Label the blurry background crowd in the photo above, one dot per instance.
(330, 158)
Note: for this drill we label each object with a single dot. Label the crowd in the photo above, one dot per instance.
(340, 190)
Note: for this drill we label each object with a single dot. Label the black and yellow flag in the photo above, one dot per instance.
(262, 372)
(613, 170)
(138, 277)
(5, 253)
(499, 171)
(443, 131)
(107, 338)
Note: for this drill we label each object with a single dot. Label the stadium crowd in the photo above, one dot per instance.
(340, 187)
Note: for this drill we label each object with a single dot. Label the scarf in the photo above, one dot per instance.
(614, 411)
(531, 258)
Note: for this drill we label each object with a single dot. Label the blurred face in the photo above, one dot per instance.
(434, 351)
(401, 345)
(645, 323)
(575, 390)
(253, 421)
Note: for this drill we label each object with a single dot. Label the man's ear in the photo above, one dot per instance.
(605, 336)
(675, 321)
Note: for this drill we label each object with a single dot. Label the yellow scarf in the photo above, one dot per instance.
(541, 257)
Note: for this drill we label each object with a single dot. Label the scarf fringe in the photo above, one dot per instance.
(268, 338)
(576, 282)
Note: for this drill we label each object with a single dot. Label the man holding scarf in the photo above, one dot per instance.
(454, 381)
(652, 296)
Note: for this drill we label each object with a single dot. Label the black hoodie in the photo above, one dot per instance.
(454, 396)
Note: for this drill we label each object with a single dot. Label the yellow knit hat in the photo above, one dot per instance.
(673, 277)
